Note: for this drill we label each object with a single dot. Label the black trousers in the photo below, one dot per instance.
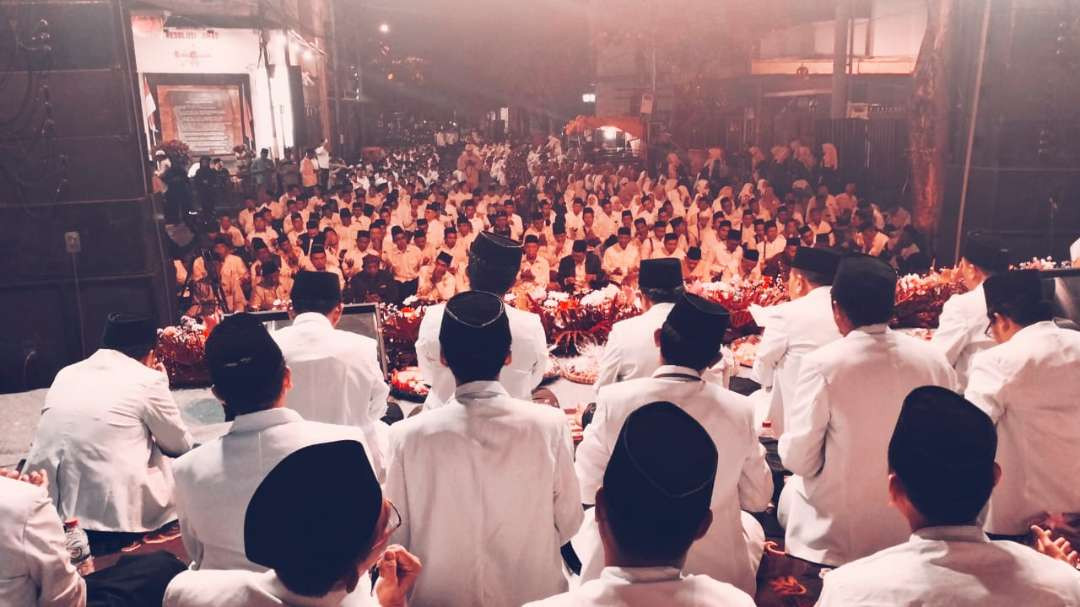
(407, 289)
(134, 581)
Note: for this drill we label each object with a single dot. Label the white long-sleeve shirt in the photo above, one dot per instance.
(954, 566)
(743, 482)
(961, 332)
(631, 349)
(336, 377)
(1029, 386)
(487, 494)
(792, 330)
(837, 427)
(35, 569)
(528, 351)
(647, 586)
(215, 482)
(105, 429)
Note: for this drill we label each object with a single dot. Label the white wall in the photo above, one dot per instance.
(896, 30)
(222, 51)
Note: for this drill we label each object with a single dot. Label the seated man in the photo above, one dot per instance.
(335, 374)
(580, 271)
(1028, 385)
(689, 341)
(845, 403)
(653, 505)
(631, 350)
(372, 284)
(106, 428)
(458, 474)
(436, 282)
(941, 473)
(35, 565)
(318, 522)
(215, 482)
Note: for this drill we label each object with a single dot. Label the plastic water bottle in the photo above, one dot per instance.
(78, 547)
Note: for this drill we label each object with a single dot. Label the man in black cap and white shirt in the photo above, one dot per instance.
(485, 484)
(961, 332)
(689, 341)
(654, 503)
(316, 525)
(846, 401)
(436, 282)
(106, 429)
(215, 482)
(631, 350)
(1028, 385)
(493, 266)
(941, 472)
(336, 375)
(795, 328)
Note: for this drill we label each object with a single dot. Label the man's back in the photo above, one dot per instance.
(792, 330)
(953, 567)
(215, 482)
(1028, 386)
(103, 428)
(846, 403)
(487, 493)
(335, 374)
(631, 349)
(34, 566)
(742, 482)
(250, 589)
(648, 586)
(528, 351)
(961, 331)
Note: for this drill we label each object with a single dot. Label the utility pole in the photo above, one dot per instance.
(838, 108)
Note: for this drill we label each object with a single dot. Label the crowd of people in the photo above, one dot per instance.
(913, 472)
(400, 226)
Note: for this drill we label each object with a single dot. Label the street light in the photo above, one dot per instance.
(588, 98)
(384, 28)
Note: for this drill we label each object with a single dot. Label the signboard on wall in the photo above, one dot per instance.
(206, 117)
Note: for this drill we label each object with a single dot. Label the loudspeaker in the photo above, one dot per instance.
(73, 159)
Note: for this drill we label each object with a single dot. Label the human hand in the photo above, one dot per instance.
(38, 478)
(1059, 548)
(398, 570)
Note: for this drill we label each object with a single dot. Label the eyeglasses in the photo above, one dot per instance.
(393, 523)
(989, 332)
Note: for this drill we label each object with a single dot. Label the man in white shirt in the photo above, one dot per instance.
(436, 282)
(796, 328)
(335, 374)
(535, 272)
(941, 472)
(689, 341)
(493, 266)
(484, 536)
(727, 255)
(35, 567)
(631, 351)
(107, 425)
(403, 259)
(215, 482)
(316, 524)
(621, 261)
(653, 504)
(1028, 385)
(961, 332)
(846, 401)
